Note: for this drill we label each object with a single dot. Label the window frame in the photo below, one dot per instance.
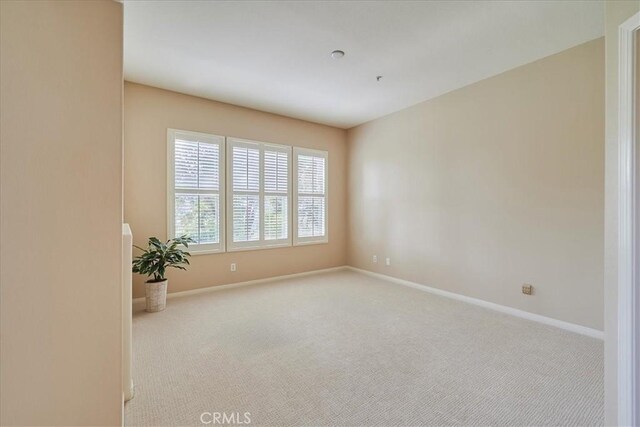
(197, 248)
(300, 241)
(261, 243)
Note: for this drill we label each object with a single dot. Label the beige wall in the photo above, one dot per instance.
(150, 111)
(616, 12)
(61, 185)
(491, 186)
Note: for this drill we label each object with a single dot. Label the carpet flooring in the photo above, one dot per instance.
(346, 349)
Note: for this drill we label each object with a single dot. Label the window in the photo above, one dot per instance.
(271, 198)
(310, 195)
(195, 202)
(258, 195)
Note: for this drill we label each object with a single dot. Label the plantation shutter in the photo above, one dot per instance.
(196, 188)
(246, 193)
(259, 194)
(311, 195)
(276, 191)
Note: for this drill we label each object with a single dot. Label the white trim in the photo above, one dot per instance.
(197, 249)
(129, 392)
(628, 280)
(127, 343)
(261, 243)
(300, 241)
(583, 330)
(247, 283)
(258, 248)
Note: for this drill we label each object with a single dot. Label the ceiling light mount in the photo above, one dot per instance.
(337, 54)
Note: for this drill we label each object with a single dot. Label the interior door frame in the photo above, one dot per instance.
(628, 229)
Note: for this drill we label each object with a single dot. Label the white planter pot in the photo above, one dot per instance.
(156, 293)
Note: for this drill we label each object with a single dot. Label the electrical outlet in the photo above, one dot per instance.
(387, 261)
(233, 266)
(527, 289)
(375, 258)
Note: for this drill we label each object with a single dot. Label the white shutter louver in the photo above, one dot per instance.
(276, 190)
(209, 166)
(245, 165)
(246, 169)
(196, 165)
(259, 194)
(311, 195)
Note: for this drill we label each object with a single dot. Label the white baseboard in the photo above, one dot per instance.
(240, 284)
(583, 330)
(128, 394)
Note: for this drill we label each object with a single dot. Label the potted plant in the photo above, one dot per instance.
(154, 261)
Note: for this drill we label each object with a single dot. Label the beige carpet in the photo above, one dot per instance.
(347, 349)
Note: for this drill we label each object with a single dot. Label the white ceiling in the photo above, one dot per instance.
(275, 56)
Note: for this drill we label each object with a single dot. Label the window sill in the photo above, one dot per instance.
(195, 251)
(311, 242)
(257, 248)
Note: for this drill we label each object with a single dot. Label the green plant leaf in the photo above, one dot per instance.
(161, 255)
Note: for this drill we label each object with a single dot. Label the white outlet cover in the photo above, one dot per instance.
(233, 266)
(375, 258)
(388, 261)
